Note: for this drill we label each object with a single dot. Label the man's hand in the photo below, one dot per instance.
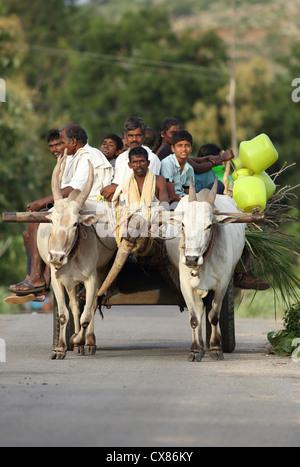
(108, 191)
(216, 160)
(227, 155)
(35, 206)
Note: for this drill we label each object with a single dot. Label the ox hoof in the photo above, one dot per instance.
(216, 354)
(195, 356)
(79, 349)
(58, 355)
(89, 350)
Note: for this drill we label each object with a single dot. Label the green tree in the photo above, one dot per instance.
(21, 177)
(211, 121)
(47, 28)
(140, 66)
(281, 113)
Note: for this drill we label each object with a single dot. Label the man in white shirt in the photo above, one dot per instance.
(134, 130)
(76, 172)
(74, 139)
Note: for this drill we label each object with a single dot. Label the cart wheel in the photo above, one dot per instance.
(56, 324)
(226, 319)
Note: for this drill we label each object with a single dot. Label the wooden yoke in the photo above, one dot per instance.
(26, 217)
(36, 217)
(41, 217)
(245, 218)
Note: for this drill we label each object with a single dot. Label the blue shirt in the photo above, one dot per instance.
(170, 169)
(202, 180)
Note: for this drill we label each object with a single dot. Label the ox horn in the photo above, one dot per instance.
(84, 194)
(56, 180)
(123, 252)
(192, 191)
(211, 197)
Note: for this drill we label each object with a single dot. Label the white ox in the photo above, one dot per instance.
(71, 247)
(206, 256)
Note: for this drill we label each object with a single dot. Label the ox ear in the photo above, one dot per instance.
(88, 219)
(222, 219)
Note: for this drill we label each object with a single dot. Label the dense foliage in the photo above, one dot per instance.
(69, 62)
(286, 341)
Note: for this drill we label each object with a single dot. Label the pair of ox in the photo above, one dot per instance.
(205, 254)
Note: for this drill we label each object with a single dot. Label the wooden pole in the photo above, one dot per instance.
(26, 217)
(36, 217)
(41, 217)
(244, 217)
(225, 178)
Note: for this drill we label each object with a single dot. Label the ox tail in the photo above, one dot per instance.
(124, 251)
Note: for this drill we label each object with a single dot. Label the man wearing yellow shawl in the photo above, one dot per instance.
(143, 193)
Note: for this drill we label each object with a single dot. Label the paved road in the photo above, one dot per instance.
(140, 390)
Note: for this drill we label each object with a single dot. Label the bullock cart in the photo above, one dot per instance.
(150, 280)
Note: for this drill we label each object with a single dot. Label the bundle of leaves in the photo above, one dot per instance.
(268, 253)
(270, 249)
(279, 206)
(283, 341)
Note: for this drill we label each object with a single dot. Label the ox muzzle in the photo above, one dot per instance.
(58, 259)
(194, 263)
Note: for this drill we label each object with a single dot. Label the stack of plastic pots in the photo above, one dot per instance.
(253, 186)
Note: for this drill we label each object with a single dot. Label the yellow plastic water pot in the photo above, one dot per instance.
(241, 173)
(269, 184)
(249, 192)
(258, 154)
(237, 163)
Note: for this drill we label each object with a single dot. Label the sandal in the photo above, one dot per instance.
(19, 300)
(31, 289)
